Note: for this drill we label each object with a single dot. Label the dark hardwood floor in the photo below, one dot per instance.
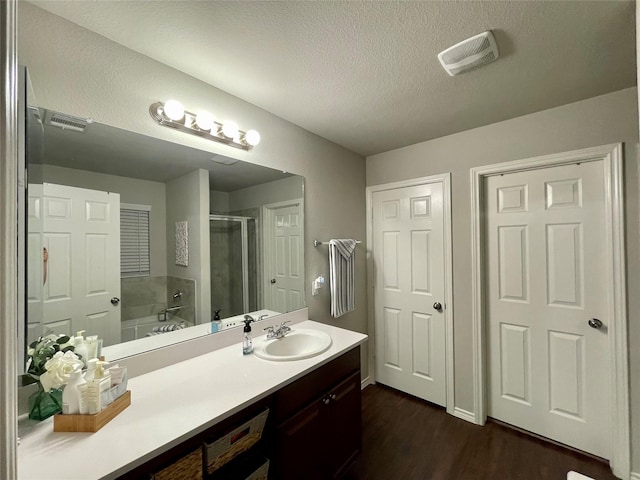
(407, 438)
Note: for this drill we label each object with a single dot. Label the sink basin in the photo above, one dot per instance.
(298, 344)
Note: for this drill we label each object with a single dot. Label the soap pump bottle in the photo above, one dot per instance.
(247, 343)
(216, 323)
(80, 347)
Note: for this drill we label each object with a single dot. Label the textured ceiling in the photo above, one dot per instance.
(365, 74)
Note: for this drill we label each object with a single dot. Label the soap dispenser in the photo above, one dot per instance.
(247, 343)
(216, 323)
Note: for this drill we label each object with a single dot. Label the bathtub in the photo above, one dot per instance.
(140, 327)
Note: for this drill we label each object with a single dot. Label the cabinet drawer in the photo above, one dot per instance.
(291, 398)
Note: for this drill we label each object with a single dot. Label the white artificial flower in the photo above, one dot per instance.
(60, 368)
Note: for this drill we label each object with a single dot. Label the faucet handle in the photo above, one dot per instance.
(283, 326)
(262, 317)
(270, 331)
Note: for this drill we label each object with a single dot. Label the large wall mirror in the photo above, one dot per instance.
(145, 243)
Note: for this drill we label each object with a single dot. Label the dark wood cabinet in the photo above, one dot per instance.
(313, 430)
(342, 420)
(323, 437)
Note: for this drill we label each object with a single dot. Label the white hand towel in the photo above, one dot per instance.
(342, 276)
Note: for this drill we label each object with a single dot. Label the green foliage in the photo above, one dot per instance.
(44, 349)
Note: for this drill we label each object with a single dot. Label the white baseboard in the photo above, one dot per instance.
(464, 415)
(366, 382)
(634, 476)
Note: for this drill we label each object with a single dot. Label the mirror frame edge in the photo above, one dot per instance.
(9, 162)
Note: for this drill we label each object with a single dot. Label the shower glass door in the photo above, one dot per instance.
(234, 271)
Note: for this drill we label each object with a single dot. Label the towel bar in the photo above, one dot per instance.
(317, 243)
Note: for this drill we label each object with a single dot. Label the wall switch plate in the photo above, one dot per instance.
(316, 285)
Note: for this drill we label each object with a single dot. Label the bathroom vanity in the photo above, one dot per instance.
(312, 430)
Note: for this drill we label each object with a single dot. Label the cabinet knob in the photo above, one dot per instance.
(332, 396)
(326, 400)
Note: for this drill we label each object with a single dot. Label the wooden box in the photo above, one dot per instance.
(91, 423)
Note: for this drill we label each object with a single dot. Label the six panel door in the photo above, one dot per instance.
(408, 251)
(81, 235)
(548, 367)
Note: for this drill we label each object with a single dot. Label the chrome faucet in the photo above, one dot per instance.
(280, 332)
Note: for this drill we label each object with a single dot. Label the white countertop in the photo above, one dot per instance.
(168, 406)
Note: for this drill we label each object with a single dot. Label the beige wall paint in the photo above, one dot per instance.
(272, 192)
(79, 72)
(131, 190)
(597, 121)
(188, 200)
(218, 202)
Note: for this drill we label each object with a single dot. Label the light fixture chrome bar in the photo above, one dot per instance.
(188, 124)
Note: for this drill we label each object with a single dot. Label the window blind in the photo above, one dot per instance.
(134, 242)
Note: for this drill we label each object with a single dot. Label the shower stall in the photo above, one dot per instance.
(234, 264)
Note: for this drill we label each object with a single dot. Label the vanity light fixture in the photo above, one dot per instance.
(172, 114)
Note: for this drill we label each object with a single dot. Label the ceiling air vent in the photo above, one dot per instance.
(66, 122)
(471, 53)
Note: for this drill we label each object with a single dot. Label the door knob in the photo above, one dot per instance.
(595, 323)
(273, 280)
(115, 301)
(437, 306)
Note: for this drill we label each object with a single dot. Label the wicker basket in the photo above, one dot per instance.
(261, 473)
(187, 468)
(239, 440)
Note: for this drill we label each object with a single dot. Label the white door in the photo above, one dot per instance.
(81, 235)
(546, 242)
(285, 260)
(408, 255)
(35, 263)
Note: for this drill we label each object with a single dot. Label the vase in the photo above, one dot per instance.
(44, 404)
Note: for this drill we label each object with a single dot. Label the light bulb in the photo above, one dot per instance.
(252, 137)
(204, 121)
(174, 110)
(230, 129)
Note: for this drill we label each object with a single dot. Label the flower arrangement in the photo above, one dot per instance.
(51, 362)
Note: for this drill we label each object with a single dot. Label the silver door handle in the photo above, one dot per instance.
(595, 323)
(437, 306)
(273, 280)
(115, 301)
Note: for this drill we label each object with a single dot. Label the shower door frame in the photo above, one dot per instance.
(244, 233)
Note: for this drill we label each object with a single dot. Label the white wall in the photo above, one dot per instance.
(272, 192)
(597, 121)
(218, 202)
(188, 200)
(79, 72)
(131, 190)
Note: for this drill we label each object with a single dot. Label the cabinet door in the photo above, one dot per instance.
(299, 444)
(342, 419)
